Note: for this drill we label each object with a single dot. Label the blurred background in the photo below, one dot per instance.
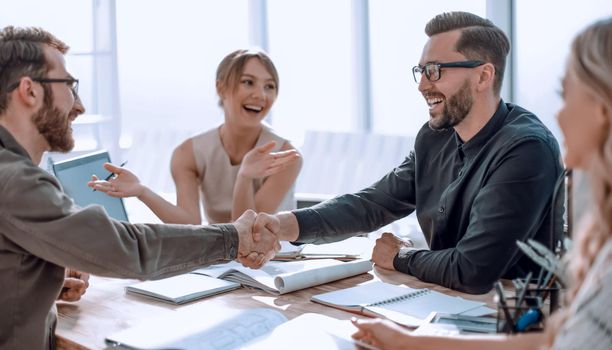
(146, 70)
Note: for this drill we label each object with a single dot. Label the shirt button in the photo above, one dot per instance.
(441, 210)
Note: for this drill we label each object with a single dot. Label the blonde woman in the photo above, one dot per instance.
(586, 122)
(239, 165)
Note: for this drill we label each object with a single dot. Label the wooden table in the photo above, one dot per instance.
(106, 308)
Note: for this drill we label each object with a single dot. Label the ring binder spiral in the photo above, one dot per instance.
(408, 296)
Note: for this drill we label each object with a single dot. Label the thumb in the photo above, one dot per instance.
(267, 147)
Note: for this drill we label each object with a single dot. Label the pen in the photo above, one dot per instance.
(519, 301)
(548, 287)
(502, 303)
(111, 174)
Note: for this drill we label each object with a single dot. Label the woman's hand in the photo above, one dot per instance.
(382, 334)
(123, 184)
(260, 162)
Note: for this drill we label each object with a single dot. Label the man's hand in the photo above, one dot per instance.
(75, 285)
(284, 225)
(386, 248)
(256, 245)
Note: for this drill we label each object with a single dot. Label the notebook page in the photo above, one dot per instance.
(364, 294)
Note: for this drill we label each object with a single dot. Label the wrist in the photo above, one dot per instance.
(289, 228)
(243, 175)
(142, 192)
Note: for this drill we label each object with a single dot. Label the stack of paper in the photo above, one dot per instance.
(348, 249)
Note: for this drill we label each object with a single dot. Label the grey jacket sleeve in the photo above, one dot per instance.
(387, 200)
(39, 219)
(509, 207)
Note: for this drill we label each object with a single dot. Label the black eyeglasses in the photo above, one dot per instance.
(432, 69)
(72, 83)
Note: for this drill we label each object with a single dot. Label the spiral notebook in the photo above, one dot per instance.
(400, 304)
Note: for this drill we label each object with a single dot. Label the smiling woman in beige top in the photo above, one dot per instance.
(241, 164)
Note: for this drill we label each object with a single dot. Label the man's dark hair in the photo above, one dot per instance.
(480, 39)
(21, 54)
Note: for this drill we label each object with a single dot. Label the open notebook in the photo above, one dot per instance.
(182, 288)
(285, 277)
(400, 304)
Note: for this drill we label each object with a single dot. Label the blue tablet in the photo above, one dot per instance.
(74, 174)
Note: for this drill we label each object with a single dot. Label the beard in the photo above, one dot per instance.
(456, 108)
(54, 125)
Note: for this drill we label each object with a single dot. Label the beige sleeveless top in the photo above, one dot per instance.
(217, 175)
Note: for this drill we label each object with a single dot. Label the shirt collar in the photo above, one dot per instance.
(472, 147)
(8, 142)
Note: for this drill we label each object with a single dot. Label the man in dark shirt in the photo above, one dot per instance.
(481, 176)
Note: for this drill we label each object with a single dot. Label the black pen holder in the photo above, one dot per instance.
(513, 317)
(524, 312)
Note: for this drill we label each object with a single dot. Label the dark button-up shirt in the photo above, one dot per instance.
(41, 231)
(473, 201)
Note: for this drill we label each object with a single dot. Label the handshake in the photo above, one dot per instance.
(258, 238)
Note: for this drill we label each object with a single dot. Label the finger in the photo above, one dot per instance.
(387, 235)
(113, 168)
(266, 147)
(261, 260)
(102, 185)
(83, 276)
(290, 153)
(273, 170)
(71, 295)
(408, 243)
(285, 161)
(248, 216)
(73, 283)
(259, 224)
(256, 236)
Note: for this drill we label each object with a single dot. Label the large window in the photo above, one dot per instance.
(542, 44)
(397, 38)
(149, 66)
(311, 44)
(64, 24)
(168, 53)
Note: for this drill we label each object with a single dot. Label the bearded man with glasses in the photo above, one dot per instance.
(481, 176)
(42, 231)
